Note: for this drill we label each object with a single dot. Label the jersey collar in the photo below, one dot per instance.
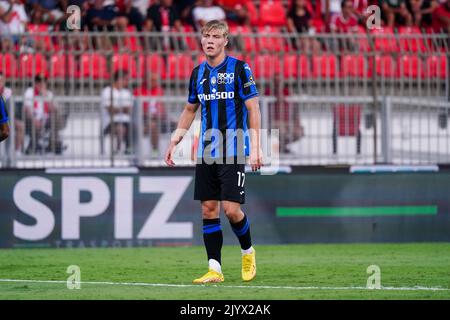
(218, 66)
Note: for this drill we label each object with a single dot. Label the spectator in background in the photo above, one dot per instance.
(346, 21)
(299, 17)
(332, 8)
(127, 9)
(206, 11)
(13, 19)
(185, 8)
(19, 128)
(299, 20)
(120, 112)
(360, 10)
(236, 11)
(42, 118)
(421, 11)
(441, 18)
(48, 11)
(396, 13)
(104, 15)
(163, 16)
(155, 118)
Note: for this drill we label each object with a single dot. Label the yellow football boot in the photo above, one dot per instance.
(249, 266)
(210, 277)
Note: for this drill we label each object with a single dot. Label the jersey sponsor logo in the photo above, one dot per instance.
(216, 96)
(251, 82)
(225, 78)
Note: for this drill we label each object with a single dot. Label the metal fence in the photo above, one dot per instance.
(359, 98)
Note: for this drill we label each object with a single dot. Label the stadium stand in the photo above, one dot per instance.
(401, 61)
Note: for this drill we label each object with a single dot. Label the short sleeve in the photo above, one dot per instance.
(193, 98)
(247, 85)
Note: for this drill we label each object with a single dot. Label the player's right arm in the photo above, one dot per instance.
(186, 118)
(4, 128)
(185, 122)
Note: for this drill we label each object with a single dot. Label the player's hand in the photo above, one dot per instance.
(256, 160)
(168, 156)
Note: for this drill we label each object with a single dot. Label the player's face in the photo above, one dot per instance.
(213, 42)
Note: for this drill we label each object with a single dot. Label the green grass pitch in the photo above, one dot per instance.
(314, 271)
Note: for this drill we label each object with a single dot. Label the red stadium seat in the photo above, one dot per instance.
(62, 65)
(179, 66)
(324, 66)
(93, 65)
(131, 42)
(385, 40)
(436, 67)
(152, 63)
(385, 66)
(410, 66)
(270, 39)
(411, 39)
(347, 119)
(265, 66)
(31, 65)
(363, 42)
(290, 66)
(124, 61)
(253, 13)
(8, 65)
(304, 67)
(272, 13)
(353, 65)
(245, 35)
(43, 35)
(191, 40)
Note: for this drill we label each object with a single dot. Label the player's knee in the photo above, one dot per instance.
(210, 211)
(233, 212)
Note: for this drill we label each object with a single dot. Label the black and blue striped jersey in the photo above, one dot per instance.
(3, 112)
(222, 92)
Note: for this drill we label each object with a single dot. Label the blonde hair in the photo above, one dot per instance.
(218, 25)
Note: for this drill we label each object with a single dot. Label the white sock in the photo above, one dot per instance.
(215, 265)
(247, 251)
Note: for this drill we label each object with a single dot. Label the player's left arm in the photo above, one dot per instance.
(254, 116)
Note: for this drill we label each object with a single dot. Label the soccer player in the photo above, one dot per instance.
(4, 128)
(224, 88)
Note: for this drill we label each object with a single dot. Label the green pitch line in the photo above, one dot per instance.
(355, 211)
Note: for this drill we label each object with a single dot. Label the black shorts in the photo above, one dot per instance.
(220, 182)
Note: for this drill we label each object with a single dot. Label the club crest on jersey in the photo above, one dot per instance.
(225, 78)
(213, 80)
